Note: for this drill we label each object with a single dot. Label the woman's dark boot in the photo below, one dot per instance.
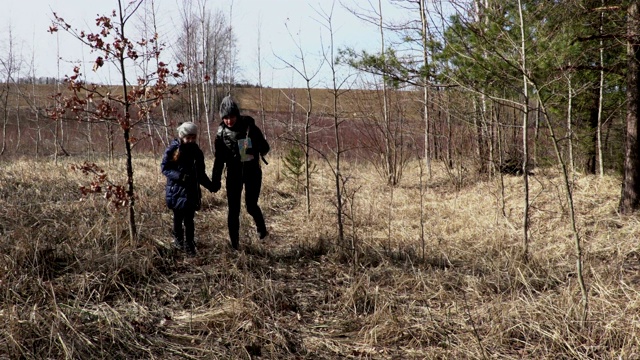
(191, 250)
(235, 243)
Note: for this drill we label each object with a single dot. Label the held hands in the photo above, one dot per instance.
(185, 178)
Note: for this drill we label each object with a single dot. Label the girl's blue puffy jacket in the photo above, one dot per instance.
(184, 176)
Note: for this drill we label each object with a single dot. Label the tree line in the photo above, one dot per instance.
(568, 69)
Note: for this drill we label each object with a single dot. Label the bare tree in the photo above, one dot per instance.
(187, 45)
(221, 42)
(147, 29)
(336, 90)
(384, 135)
(33, 102)
(260, 87)
(307, 75)
(389, 152)
(205, 25)
(206, 41)
(157, 48)
(10, 67)
(229, 63)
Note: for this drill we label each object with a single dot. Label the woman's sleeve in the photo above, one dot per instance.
(261, 143)
(219, 157)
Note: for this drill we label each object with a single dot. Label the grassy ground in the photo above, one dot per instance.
(72, 286)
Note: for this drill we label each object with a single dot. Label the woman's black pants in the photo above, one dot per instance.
(252, 184)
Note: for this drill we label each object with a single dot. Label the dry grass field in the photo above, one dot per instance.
(72, 286)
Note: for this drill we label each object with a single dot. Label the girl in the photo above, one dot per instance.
(183, 165)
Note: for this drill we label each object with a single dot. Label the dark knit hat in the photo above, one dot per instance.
(228, 107)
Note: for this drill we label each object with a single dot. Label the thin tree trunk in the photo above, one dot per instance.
(165, 139)
(425, 85)
(536, 133)
(630, 197)
(388, 137)
(478, 132)
(336, 126)
(147, 113)
(58, 121)
(422, 210)
(205, 70)
(400, 149)
(292, 111)
(500, 161)
(481, 131)
(36, 111)
(307, 149)
(491, 141)
(390, 218)
(199, 80)
(5, 118)
(449, 134)
(19, 134)
(572, 217)
(600, 101)
(570, 126)
(525, 137)
(133, 234)
(110, 142)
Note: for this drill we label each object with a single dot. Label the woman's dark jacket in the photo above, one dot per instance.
(184, 176)
(227, 151)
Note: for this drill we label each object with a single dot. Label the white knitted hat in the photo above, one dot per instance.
(187, 128)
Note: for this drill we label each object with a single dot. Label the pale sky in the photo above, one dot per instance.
(253, 21)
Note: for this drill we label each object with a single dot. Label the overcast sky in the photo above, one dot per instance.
(267, 22)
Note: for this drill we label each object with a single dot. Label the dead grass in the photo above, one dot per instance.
(72, 286)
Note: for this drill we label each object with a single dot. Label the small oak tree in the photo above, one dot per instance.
(126, 104)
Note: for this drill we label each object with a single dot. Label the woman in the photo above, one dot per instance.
(239, 145)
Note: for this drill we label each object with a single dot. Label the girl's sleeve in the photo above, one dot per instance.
(203, 179)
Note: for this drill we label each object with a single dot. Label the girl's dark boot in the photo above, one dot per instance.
(190, 243)
(178, 240)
